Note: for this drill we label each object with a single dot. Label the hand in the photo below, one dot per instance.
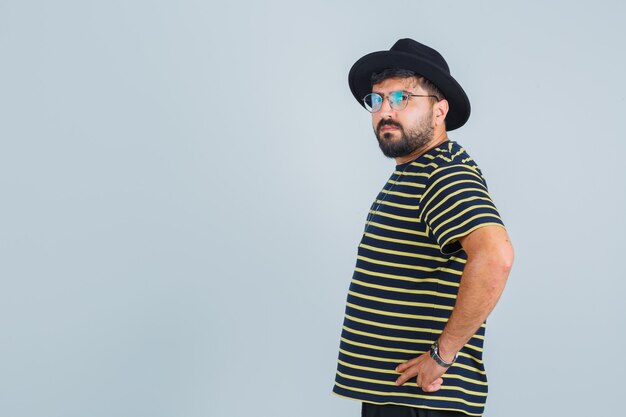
(427, 371)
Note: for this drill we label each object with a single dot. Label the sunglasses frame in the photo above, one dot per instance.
(394, 105)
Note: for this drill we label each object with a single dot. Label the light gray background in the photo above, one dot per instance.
(184, 184)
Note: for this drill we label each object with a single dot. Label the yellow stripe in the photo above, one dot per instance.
(445, 158)
(468, 356)
(395, 216)
(457, 259)
(456, 204)
(399, 394)
(489, 206)
(412, 174)
(461, 151)
(405, 242)
(398, 205)
(374, 381)
(466, 379)
(403, 278)
(401, 303)
(469, 368)
(408, 184)
(383, 337)
(397, 315)
(453, 157)
(373, 358)
(410, 384)
(409, 351)
(445, 149)
(476, 348)
(403, 290)
(415, 267)
(398, 229)
(398, 193)
(478, 216)
(417, 164)
(402, 253)
(469, 170)
(387, 349)
(367, 368)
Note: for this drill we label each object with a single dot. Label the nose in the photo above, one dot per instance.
(385, 112)
(385, 108)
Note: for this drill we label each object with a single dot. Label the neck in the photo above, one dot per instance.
(437, 140)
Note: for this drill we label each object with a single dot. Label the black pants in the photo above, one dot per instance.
(390, 410)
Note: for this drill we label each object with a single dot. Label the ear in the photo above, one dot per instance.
(440, 111)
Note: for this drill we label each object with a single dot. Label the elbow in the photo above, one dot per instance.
(502, 259)
(506, 259)
(502, 263)
(499, 260)
(500, 256)
(500, 266)
(491, 251)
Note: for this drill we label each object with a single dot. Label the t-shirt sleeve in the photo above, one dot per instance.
(455, 203)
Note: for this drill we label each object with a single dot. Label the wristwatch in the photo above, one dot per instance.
(434, 353)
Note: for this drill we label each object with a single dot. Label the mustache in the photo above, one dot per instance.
(388, 122)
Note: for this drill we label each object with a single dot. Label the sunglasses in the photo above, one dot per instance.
(398, 100)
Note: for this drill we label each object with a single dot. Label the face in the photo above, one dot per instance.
(403, 132)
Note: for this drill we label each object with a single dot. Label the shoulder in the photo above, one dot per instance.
(452, 156)
(451, 163)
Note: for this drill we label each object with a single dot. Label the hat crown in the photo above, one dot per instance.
(412, 47)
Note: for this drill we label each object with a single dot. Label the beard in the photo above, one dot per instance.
(410, 139)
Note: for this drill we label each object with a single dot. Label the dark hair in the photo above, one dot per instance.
(430, 88)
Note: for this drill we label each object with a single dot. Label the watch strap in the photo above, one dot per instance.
(434, 353)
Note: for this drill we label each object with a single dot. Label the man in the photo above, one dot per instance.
(434, 256)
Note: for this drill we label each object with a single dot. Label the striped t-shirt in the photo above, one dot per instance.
(405, 282)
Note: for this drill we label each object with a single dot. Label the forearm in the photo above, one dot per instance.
(483, 280)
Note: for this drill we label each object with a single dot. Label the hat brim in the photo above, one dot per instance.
(359, 80)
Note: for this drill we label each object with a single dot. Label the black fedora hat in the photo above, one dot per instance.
(411, 55)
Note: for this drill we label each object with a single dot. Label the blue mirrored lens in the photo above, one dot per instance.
(396, 99)
(373, 101)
